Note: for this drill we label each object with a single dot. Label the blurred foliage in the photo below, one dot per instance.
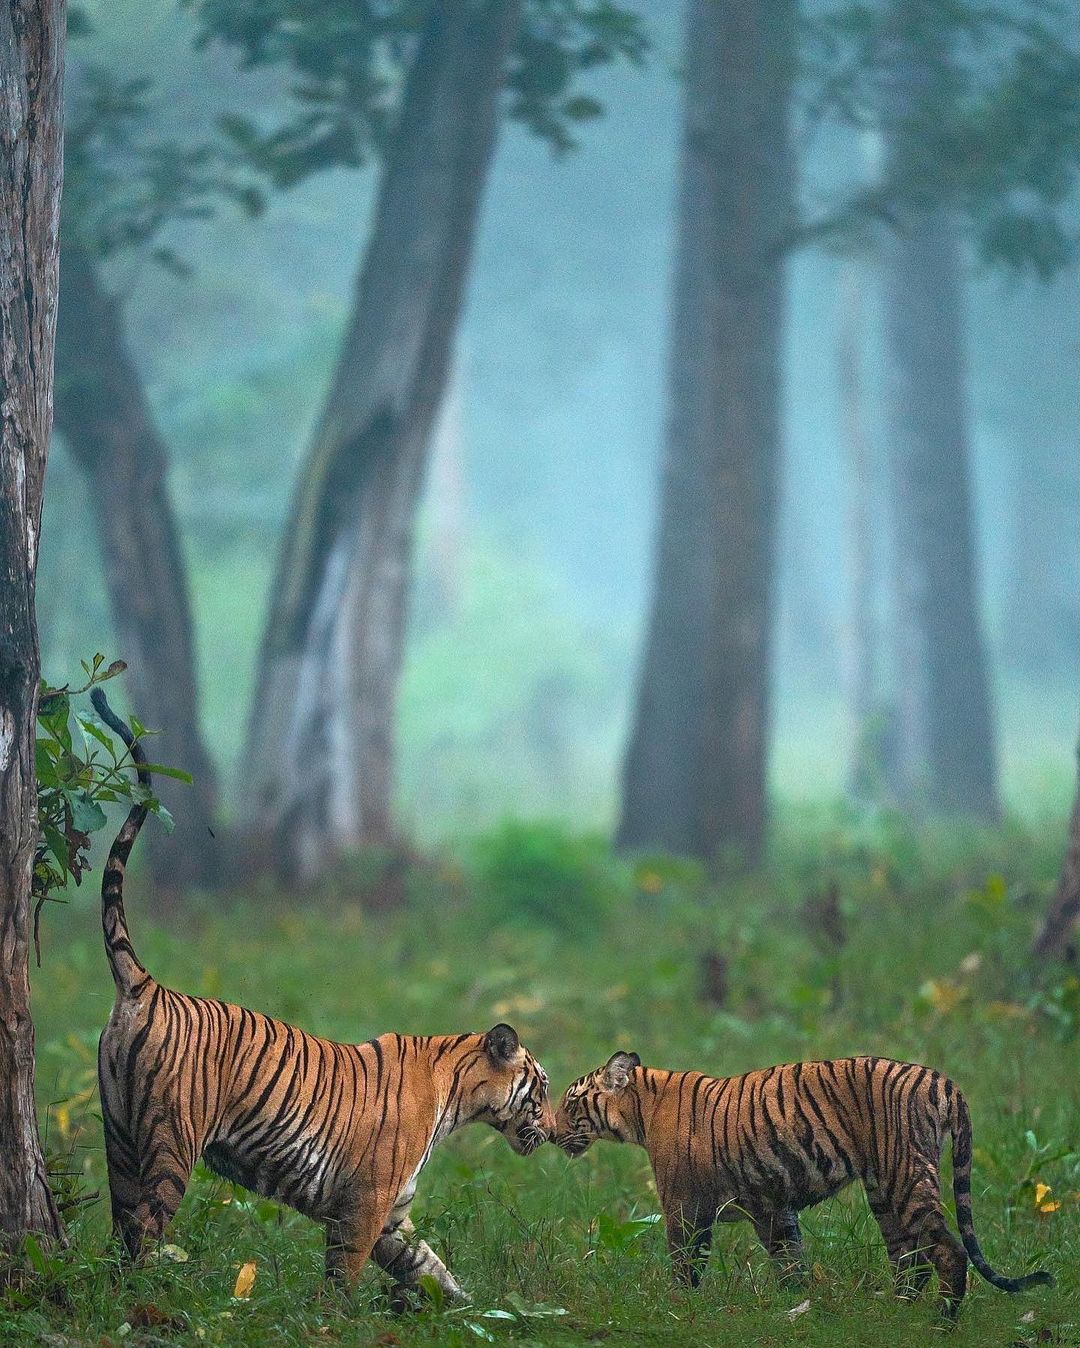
(125, 182)
(75, 781)
(545, 874)
(349, 59)
(993, 126)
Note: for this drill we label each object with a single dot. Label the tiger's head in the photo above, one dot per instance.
(511, 1091)
(599, 1105)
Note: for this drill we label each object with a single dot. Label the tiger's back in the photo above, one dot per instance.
(796, 1134)
(282, 1112)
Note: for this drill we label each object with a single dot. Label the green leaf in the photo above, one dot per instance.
(156, 808)
(35, 1255)
(434, 1292)
(86, 814)
(178, 773)
(93, 729)
(57, 845)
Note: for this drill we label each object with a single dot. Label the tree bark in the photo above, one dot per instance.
(694, 778)
(319, 766)
(31, 84)
(1060, 925)
(944, 751)
(102, 411)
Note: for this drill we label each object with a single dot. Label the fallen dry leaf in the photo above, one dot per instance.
(149, 1316)
(798, 1310)
(245, 1280)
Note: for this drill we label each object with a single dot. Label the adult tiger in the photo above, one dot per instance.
(764, 1145)
(338, 1131)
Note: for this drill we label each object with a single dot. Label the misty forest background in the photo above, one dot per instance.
(590, 494)
(538, 513)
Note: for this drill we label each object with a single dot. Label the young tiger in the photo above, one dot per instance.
(340, 1132)
(764, 1145)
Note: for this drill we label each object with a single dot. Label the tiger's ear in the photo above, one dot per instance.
(616, 1071)
(502, 1043)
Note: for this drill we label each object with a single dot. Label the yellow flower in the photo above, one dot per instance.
(1043, 1201)
(942, 994)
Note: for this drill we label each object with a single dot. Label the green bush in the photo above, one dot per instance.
(544, 874)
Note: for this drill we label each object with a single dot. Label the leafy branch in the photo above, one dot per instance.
(76, 780)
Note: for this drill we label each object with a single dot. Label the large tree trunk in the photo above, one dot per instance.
(695, 771)
(108, 426)
(319, 767)
(31, 83)
(944, 751)
(1060, 926)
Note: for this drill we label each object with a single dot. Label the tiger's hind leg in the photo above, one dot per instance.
(142, 1212)
(147, 1181)
(910, 1265)
(779, 1232)
(925, 1229)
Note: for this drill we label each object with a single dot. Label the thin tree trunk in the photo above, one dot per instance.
(944, 751)
(31, 136)
(863, 661)
(102, 411)
(1043, 553)
(1060, 926)
(695, 772)
(446, 497)
(319, 768)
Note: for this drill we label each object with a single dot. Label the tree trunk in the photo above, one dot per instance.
(863, 657)
(944, 751)
(107, 424)
(1041, 605)
(695, 772)
(1059, 928)
(319, 767)
(31, 84)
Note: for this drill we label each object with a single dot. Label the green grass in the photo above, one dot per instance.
(935, 970)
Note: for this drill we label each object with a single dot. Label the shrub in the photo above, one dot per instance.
(544, 874)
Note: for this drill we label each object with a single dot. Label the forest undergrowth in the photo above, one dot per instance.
(859, 938)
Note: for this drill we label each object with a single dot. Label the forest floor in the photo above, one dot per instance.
(585, 955)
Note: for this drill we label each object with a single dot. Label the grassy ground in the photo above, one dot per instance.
(555, 1251)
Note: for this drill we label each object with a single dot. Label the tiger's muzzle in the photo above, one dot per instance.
(574, 1144)
(527, 1138)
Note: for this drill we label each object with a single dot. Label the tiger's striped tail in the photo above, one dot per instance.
(960, 1127)
(128, 974)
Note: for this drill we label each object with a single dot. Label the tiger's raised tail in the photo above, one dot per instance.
(128, 974)
(960, 1126)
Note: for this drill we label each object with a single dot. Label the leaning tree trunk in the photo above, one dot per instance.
(944, 751)
(695, 772)
(1060, 926)
(318, 772)
(31, 83)
(102, 410)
